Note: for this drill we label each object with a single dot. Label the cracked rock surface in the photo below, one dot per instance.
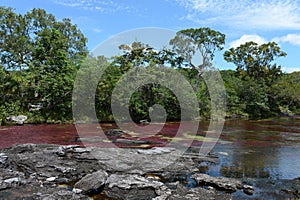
(32, 171)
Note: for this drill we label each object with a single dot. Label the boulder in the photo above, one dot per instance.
(132, 187)
(227, 184)
(19, 120)
(92, 182)
(248, 189)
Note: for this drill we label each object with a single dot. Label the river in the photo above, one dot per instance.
(247, 149)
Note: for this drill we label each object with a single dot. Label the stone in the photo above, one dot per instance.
(115, 132)
(12, 180)
(223, 153)
(50, 179)
(144, 122)
(248, 189)
(156, 150)
(63, 150)
(76, 190)
(132, 187)
(198, 193)
(3, 159)
(121, 174)
(227, 184)
(92, 182)
(128, 141)
(35, 107)
(19, 120)
(95, 139)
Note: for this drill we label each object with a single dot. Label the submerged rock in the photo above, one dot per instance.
(95, 139)
(115, 132)
(248, 189)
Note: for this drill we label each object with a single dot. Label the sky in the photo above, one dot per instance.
(241, 21)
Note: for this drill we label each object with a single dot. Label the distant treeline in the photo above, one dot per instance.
(40, 57)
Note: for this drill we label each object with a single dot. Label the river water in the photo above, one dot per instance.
(247, 149)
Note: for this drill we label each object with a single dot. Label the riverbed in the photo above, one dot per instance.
(246, 149)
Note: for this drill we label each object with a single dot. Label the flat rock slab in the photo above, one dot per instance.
(227, 184)
(92, 182)
(33, 171)
(132, 187)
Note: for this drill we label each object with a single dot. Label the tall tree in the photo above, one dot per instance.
(206, 41)
(256, 61)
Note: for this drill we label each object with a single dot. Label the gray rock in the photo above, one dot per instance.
(3, 159)
(128, 141)
(115, 132)
(132, 187)
(12, 180)
(156, 150)
(144, 122)
(198, 194)
(227, 184)
(35, 107)
(92, 182)
(95, 139)
(19, 120)
(248, 189)
(28, 173)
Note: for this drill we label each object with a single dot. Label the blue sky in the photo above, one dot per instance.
(241, 21)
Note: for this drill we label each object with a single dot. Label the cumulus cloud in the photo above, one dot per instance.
(248, 38)
(246, 14)
(293, 39)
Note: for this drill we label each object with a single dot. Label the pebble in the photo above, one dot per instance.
(12, 180)
(50, 179)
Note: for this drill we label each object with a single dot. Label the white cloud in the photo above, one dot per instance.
(246, 14)
(248, 38)
(96, 5)
(291, 69)
(290, 38)
(97, 30)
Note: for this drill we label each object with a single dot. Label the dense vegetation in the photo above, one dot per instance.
(40, 56)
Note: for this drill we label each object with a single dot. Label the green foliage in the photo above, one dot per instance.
(256, 61)
(286, 92)
(39, 57)
(187, 43)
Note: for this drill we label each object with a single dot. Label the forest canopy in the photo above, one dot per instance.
(40, 56)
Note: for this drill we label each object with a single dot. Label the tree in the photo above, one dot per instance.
(286, 92)
(43, 54)
(256, 61)
(188, 42)
(138, 56)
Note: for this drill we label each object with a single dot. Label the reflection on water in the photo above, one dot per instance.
(255, 149)
(260, 149)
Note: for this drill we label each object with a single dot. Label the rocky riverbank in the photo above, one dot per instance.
(32, 171)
